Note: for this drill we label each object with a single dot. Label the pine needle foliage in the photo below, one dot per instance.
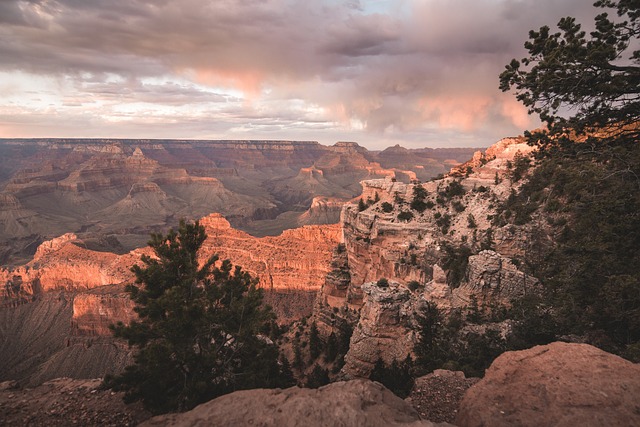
(198, 332)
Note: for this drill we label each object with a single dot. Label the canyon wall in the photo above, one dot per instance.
(298, 259)
(295, 261)
(129, 188)
(409, 244)
(78, 293)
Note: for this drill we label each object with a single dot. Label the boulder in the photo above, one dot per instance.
(559, 384)
(351, 403)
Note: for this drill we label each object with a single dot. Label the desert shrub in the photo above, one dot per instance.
(405, 216)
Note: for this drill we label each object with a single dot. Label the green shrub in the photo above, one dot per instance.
(405, 216)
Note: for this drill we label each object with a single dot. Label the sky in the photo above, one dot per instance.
(419, 73)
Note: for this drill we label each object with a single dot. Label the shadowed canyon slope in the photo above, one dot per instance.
(127, 188)
(56, 309)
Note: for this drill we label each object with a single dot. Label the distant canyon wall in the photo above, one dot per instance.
(295, 261)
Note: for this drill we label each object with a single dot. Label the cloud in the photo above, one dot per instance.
(378, 69)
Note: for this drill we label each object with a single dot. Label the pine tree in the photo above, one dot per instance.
(197, 336)
(315, 344)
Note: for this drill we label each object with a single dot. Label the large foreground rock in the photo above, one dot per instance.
(558, 384)
(351, 403)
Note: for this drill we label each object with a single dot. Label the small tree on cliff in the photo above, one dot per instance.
(197, 333)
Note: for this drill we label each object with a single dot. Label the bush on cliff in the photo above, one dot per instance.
(197, 336)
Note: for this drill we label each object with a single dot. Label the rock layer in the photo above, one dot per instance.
(384, 331)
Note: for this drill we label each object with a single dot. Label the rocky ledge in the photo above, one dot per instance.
(353, 403)
(557, 384)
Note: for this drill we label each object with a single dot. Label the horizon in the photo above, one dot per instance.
(418, 73)
(265, 141)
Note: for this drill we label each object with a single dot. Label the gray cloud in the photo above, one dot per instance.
(425, 66)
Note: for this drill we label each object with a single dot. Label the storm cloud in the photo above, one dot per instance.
(418, 73)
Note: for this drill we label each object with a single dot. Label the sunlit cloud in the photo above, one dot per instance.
(414, 72)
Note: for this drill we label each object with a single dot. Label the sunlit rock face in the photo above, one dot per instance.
(49, 187)
(91, 285)
(95, 310)
(379, 243)
(449, 253)
(298, 259)
(385, 330)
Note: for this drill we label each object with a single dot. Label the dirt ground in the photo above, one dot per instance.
(66, 402)
(437, 396)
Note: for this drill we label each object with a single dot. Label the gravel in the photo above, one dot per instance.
(437, 396)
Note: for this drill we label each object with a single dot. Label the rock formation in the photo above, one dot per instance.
(95, 310)
(381, 243)
(298, 259)
(39, 342)
(440, 246)
(353, 403)
(292, 265)
(557, 384)
(384, 331)
(492, 277)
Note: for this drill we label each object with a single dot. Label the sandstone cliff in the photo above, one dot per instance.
(381, 243)
(435, 241)
(385, 329)
(90, 285)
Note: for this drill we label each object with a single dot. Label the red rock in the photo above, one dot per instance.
(558, 384)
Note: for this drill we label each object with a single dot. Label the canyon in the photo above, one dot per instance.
(400, 245)
(317, 270)
(113, 192)
(400, 255)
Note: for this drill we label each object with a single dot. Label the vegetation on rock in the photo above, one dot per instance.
(587, 181)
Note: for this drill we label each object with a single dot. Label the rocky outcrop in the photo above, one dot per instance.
(491, 277)
(298, 259)
(95, 310)
(434, 252)
(323, 210)
(62, 264)
(351, 403)
(390, 238)
(385, 330)
(557, 384)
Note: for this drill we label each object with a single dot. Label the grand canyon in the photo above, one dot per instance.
(58, 305)
(284, 213)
